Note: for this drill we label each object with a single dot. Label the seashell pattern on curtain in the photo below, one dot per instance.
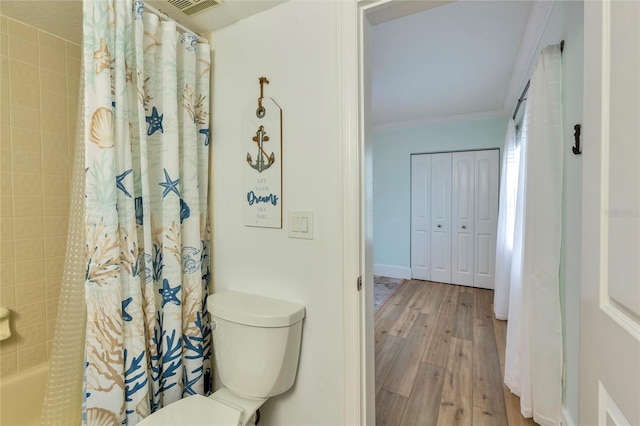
(148, 341)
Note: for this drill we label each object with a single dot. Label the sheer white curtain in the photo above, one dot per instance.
(506, 221)
(533, 363)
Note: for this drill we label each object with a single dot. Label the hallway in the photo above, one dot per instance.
(439, 359)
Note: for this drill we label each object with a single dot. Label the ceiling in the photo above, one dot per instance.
(64, 17)
(460, 60)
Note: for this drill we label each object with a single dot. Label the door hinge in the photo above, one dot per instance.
(359, 286)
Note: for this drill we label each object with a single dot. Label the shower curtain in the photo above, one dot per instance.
(146, 163)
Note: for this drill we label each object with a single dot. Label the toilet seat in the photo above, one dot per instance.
(195, 410)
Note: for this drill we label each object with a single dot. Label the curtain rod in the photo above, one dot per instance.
(526, 89)
(166, 17)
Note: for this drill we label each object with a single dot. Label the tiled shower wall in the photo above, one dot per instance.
(39, 78)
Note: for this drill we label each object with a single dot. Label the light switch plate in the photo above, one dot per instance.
(301, 224)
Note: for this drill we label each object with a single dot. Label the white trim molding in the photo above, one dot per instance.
(392, 271)
(567, 420)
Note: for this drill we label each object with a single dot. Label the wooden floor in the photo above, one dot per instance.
(440, 359)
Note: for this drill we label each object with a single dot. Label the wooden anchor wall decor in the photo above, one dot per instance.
(262, 173)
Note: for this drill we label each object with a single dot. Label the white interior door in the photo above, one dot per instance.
(487, 166)
(462, 212)
(421, 216)
(441, 217)
(610, 305)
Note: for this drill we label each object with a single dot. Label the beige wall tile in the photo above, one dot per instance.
(23, 31)
(56, 184)
(6, 228)
(55, 164)
(53, 143)
(29, 270)
(53, 102)
(55, 226)
(6, 205)
(5, 160)
(8, 296)
(23, 50)
(55, 246)
(8, 364)
(26, 139)
(74, 51)
(7, 275)
(4, 67)
(27, 183)
(30, 293)
(53, 81)
(29, 249)
(27, 118)
(52, 287)
(49, 41)
(3, 24)
(31, 335)
(52, 309)
(54, 123)
(52, 60)
(5, 134)
(56, 205)
(73, 71)
(28, 227)
(27, 206)
(6, 183)
(4, 45)
(10, 345)
(26, 161)
(5, 105)
(6, 251)
(32, 356)
(24, 73)
(26, 96)
(51, 330)
(54, 267)
(29, 314)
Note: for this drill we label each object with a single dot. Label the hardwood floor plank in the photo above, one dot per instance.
(437, 349)
(389, 408)
(483, 304)
(482, 417)
(387, 352)
(487, 377)
(434, 296)
(457, 399)
(424, 401)
(398, 300)
(404, 322)
(405, 366)
(381, 329)
(500, 332)
(464, 317)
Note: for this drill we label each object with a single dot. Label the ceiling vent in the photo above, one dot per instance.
(193, 7)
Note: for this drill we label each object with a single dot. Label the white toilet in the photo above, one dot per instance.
(257, 343)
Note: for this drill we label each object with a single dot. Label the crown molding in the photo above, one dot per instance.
(537, 22)
(482, 115)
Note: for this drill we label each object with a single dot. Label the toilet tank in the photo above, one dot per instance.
(256, 341)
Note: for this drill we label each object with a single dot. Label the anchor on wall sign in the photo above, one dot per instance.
(262, 176)
(260, 138)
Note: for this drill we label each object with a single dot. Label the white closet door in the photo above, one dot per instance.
(486, 216)
(462, 213)
(421, 216)
(441, 217)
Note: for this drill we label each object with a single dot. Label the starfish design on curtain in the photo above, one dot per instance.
(155, 122)
(169, 294)
(103, 62)
(205, 132)
(169, 185)
(125, 303)
(120, 183)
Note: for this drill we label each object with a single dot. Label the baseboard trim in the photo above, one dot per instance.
(566, 418)
(392, 271)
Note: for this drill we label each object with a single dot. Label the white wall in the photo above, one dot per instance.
(295, 46)
(566, 23)
(392, 149)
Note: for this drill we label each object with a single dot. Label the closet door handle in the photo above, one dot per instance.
(439, 226)
(464, 226)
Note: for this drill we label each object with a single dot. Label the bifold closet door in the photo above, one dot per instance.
(462, 217)
(421, 216)
(487, 164)
(441, 217)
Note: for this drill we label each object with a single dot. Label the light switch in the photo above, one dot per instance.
(301, 224)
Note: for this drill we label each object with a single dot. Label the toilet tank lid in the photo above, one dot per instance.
(257, 311)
